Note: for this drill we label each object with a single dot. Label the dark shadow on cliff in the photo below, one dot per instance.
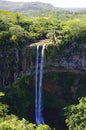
(54, 119)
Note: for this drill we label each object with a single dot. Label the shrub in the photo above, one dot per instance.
(76, 115)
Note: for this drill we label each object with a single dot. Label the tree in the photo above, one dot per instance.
(19, 36)
(76, 115)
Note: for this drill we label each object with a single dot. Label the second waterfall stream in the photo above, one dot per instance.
(38, 86)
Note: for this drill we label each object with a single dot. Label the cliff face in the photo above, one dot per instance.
(70, 59)
(69, 65)
(16, 63)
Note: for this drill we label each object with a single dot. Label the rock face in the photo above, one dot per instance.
(70, 60)
(10, 65)
(16, 63)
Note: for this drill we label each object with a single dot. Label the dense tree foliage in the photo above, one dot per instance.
(76, 115)
(62, 27)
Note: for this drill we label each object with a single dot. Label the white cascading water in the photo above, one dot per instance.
(38, 85)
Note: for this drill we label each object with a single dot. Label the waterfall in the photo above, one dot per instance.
(38, 85)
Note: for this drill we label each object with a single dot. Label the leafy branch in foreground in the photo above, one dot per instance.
(76, 115)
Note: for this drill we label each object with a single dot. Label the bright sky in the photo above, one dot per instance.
(59, 3)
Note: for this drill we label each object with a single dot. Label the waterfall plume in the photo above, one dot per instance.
(38, 86)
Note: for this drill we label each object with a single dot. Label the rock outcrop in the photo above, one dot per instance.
(70, 60)
(66, 58)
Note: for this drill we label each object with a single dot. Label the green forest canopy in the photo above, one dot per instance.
(17, 30)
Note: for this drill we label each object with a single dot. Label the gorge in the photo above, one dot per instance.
(59, 74)
(64, 81)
